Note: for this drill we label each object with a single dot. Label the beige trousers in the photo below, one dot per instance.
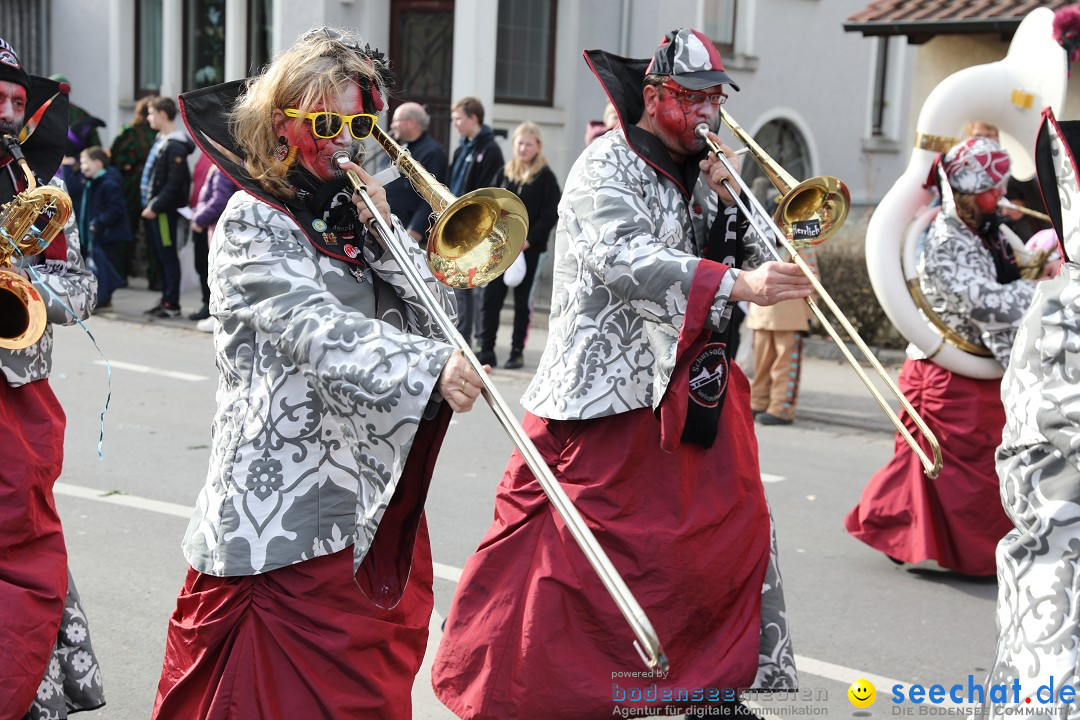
(777, 361)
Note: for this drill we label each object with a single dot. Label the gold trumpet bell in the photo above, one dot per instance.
(477, 237)
(22, 312)
(812, 210)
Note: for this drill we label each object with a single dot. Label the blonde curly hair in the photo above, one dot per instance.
(317, 68)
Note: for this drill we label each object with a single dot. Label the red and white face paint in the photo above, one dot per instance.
(314, 153)
(676, 117)
(12, 107)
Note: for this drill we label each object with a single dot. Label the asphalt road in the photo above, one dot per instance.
(853, 613)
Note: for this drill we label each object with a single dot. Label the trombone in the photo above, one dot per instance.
(475, 238)
(812, 210)
(1008, 205)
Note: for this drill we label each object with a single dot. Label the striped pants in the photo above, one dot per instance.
(777, 365)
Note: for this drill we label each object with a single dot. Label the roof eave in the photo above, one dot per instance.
(922, 30)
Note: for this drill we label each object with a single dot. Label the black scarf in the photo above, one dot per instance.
(328, 217)
(710, 369)
(1004, 259)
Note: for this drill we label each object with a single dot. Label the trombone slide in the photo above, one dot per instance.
(647, 643)
(758, 218)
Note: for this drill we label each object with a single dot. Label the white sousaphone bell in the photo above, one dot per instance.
(1009, 93)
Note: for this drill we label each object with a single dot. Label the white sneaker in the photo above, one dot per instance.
(206, 325)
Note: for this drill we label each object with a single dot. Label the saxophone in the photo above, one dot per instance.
(28, 223)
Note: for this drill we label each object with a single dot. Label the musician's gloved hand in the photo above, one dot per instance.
(770, 283)
(458, 383)
(374, 190)
(714, 171)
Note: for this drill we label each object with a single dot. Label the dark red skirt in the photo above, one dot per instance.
(532, 632)
(299, 642)
(33, 557)
(958, 518)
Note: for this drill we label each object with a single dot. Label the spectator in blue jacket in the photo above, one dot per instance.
(104, 227)
(409, 127)
(214, 195)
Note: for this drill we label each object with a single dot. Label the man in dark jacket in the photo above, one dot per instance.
(104, 227)
(477, 161)
(409, 128)
(166, 183)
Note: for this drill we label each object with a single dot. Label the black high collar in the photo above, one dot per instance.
(623, 80)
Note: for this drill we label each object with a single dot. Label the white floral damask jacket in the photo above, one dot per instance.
(958, 278)
(61, 282)
(325, 374)
(624, 264)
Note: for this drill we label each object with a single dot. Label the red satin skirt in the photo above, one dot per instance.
(33, 557)
(958, 518)
(299, 642)
(532, 632)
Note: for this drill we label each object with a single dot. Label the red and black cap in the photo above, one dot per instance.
(690, 59)
(11, 68)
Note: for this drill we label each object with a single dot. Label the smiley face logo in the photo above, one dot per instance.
(862, 693)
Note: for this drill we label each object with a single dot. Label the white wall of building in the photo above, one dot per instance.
(793, 61)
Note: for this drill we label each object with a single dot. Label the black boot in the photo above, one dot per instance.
(515, 360)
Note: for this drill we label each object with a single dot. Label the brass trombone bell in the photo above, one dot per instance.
(475, 237)
(807, 212)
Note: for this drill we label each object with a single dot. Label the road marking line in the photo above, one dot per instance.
(447, 572)
(174, 374)
(119, 498)
(769, 478)
(808, 665)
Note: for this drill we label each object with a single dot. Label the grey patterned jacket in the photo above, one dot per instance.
(324, 378)
(959, 281)
(70, 284)
(624, 264)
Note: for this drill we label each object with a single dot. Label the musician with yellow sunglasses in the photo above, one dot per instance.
(334, 395)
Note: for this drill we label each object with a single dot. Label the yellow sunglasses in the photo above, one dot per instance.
(329, 125)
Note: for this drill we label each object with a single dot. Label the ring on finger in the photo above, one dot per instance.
(464, 384)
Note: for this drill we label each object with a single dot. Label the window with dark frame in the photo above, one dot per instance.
(881, 78)
(204, 43)
(525, 52)
(148, 49)
(718, 22)
(784, 143)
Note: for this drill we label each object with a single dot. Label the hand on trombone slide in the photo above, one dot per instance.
(459, 383)
(715, 172)
(374, 190)
(770, 283)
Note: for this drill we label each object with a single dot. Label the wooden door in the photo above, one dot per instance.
(422, 54)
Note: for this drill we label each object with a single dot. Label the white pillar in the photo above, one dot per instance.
(236, 21)
(476, 25)
(172, 50)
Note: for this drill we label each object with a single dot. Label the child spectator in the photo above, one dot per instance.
(216, 190)
(103, 221)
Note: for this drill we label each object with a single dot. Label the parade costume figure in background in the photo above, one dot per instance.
(1039, 459)
(969, 277)
(310, 587)
(778, 339)
(644, 421)
(47, 664)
